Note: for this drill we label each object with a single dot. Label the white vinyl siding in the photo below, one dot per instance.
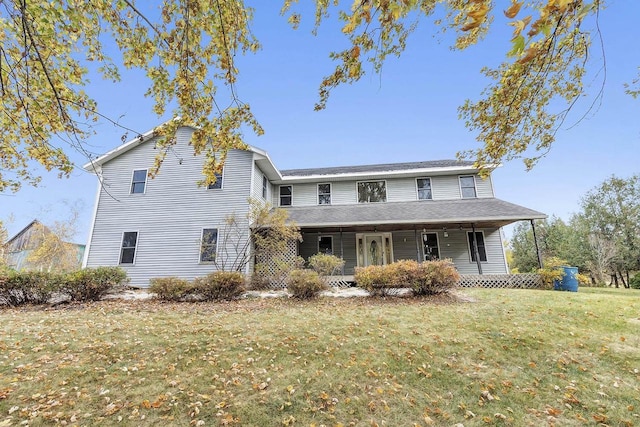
(169, 219)
(446, 187)
(456, 247)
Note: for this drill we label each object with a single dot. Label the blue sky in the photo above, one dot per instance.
(408, 113)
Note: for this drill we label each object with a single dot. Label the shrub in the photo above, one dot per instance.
(305, 284)
(583, 279)
(326, 264)
(91, 284)
(634, 283)
(433, 277)
(29, 287)
(551, 271)
(376, 279)
(219, 286)
(170, 288)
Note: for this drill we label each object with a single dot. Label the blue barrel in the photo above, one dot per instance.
(569, 281)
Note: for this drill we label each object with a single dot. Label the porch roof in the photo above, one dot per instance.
(481, 212)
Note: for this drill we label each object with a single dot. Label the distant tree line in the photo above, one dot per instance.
(602, 239)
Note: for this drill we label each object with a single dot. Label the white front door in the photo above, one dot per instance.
(374, 249)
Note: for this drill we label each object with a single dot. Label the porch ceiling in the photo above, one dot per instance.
(430, 214)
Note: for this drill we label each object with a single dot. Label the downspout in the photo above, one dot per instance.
(535, 241)
(475, 248)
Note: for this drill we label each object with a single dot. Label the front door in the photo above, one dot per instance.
(374, 249)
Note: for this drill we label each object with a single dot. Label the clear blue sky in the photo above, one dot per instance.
(408, 113)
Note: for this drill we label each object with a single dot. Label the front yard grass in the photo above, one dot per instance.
(508, 357)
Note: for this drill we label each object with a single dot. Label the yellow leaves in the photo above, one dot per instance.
(513, 10)
(476, 16)
(520, 25)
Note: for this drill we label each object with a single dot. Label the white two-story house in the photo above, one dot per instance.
(371, 214)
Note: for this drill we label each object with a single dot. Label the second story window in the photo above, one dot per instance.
(286, 193)
(139, 181)
(216, 185)
(468, 187)
(265, 184)
(424, 189)
(324, 194)
(372, 192)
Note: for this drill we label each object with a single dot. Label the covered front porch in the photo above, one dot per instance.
(466, 231)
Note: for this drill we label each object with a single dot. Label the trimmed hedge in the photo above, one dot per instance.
(170, 288)
(305, 284)
(35, 287)
(219, 286)
(425, 278)
(31, 287)
(92, 284)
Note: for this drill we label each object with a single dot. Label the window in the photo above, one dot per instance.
(209, 244)
(324, 194)
(481, 249)
(430, 246)
(372, 192)
(265, 183)
(128, 251)
(424, 188)
(216, 185)
(139, 181)
(325, 245)
(468, 187)
(286, 192)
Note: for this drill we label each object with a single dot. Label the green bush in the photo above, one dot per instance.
(91, 284)
(376, 279)
(170, 288)
(634, 283)
(219, 286)
(29, 287)
(426, 278)
(433, 277)
(305, 284)
(326, 264)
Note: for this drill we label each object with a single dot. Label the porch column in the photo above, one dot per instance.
(535, 241)
(341, 250)
(415, 232)
(475, 248)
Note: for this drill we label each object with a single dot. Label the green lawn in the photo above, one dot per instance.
(508, 357)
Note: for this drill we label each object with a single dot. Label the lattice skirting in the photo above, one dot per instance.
(520, 281)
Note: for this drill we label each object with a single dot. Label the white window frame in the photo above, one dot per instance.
(265, 186)
(430, 187)
(280, 195)
(388, 255)
(135, 248)
(437, 242)
(324, 194)
(386, 195)
(324, 236)
(218, 179)
(484, 241)
(475, 187)
(146, 175)
(200, 261)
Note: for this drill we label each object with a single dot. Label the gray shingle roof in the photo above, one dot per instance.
(481, 210)
(376, 168)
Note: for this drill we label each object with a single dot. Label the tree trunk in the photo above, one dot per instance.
(624, 283)
(614, 276)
